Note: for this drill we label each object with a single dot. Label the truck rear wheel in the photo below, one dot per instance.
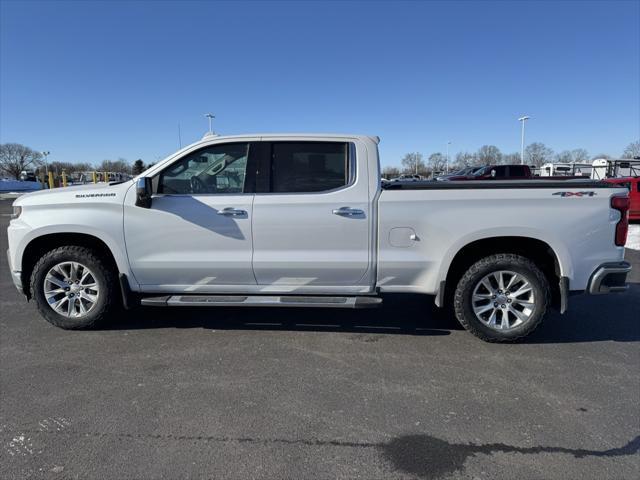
(502, 298)
(73, 287)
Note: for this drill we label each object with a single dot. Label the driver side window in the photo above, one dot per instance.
(215, 169)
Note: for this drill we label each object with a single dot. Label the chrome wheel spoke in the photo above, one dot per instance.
(515, 278)
(523, 303)
(520, 315)
(482, 296)
(55, 281)
(58, 306)
(487, 284)
(522, 290)
(492, 318)
(89, 297)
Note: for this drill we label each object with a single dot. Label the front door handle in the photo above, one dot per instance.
(348, 212)
(232, 212)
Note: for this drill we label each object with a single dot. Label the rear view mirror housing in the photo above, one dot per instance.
(143, 192)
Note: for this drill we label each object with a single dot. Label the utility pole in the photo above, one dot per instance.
(447, 159)
(522, 119)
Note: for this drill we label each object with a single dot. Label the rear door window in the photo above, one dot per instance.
(305, 167)
(517, 171)
(501, 172)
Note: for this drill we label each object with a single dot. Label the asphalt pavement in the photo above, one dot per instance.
(399, 392)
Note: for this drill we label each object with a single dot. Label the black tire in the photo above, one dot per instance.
(104, 276)
(504, 261)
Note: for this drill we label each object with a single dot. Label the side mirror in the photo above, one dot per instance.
(493, 174)
(143, 192)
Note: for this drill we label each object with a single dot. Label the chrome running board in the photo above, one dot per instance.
(259, 301)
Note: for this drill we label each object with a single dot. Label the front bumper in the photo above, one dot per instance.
(609, 278)
(15, 276)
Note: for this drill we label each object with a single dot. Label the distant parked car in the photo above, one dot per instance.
(407, 178)
(462, 172)
(633, 184)
(28, 176)
(497, 172)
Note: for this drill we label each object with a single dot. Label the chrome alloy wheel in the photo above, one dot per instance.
(503, 300)
(71, 289)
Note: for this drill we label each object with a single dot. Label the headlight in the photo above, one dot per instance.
(16, 211)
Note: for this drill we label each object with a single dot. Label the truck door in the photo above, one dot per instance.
(196, 237)
(312, 217)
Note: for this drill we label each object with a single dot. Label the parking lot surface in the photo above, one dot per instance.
(399, 392)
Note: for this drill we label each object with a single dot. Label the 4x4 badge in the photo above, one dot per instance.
(576, 194)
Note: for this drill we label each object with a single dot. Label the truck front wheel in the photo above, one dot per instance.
(73, 287)
(502, 298)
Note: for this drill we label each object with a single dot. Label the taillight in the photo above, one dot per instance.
(621, 203)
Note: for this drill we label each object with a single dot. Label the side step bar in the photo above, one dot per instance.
(259, 301)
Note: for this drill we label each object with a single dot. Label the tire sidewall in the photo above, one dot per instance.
(85, 258)
(470, 282)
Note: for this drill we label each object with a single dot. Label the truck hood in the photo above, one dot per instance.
(89, 192)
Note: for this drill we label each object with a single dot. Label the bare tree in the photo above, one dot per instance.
(120, 165)
(580, 155)
(511, 158)
(14, 158)
(465, 159)
(632, 150)
(390, 172)
(537, 153)
(437, 162)
(488, 155)
(601, 155)
(564, 157)
(569, 156)
(413, 163)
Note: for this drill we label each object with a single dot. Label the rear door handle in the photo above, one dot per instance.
(232, 212)
(348, 212)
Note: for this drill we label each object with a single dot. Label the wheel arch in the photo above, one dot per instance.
(39, 245)
(539, 251)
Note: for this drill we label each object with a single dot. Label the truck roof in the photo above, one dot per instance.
(209, 136)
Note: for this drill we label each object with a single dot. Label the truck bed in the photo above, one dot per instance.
(493, 184)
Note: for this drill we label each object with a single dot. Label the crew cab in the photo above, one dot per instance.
(303, 220)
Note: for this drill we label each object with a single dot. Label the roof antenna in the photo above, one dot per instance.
(210, 133)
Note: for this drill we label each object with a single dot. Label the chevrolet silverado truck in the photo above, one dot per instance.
(304, 221)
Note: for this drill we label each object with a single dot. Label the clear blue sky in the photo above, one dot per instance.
(92, 81)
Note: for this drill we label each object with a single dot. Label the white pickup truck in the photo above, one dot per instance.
(303, 220)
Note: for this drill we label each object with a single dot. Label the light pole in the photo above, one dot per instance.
(523, 120)
(210, 117)
(447, 159)
(46, 165)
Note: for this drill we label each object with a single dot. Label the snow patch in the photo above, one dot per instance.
(633, 237)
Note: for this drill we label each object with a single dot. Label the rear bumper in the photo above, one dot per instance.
(609, 278)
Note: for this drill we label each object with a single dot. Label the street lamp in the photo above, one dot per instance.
(447, 159)
(46, 165)
(523, 120)
(210, 117)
